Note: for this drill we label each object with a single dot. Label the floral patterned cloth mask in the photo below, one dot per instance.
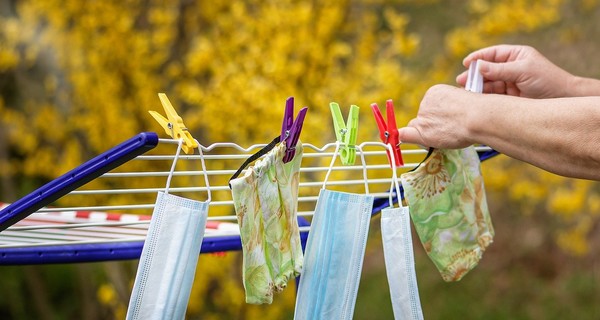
(266, 201)
(449, 210)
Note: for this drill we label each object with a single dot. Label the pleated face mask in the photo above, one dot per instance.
(334, 255)
(449, 210)
(399, 258)
(266, 201)
(168, 262)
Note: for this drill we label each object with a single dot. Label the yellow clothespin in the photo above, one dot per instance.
(345, 132)
(173, 125)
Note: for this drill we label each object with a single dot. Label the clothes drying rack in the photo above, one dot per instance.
(100, 211)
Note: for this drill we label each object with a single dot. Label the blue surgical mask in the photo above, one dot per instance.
(168, 262)
(400, 263)
(399, 258)
(334, 255)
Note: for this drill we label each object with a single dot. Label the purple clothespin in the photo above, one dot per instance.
(290, 130)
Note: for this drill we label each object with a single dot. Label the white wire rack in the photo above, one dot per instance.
(110, 215)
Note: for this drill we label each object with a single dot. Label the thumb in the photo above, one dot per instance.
(505, 71)
(410, 135)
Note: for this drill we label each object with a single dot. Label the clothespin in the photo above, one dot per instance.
(173, 125)
(474, 78)
(389, 132)
(290, 129)
(345, 132)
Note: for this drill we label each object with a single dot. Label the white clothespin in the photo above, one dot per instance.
(474, 78)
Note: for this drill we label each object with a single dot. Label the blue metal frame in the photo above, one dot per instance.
(77, 177)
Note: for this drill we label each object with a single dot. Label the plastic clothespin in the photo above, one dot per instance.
(474, 78)
(389, 132)
(173, 125)
(290, 129)
(345, 132)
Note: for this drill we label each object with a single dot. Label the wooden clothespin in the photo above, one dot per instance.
(345, 132)
(173, 125)
(388, 132)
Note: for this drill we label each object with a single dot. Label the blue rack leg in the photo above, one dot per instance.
(77, 177)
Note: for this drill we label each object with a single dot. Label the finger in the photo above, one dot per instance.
(499, 53)
(499, 87)
(461, 79)
(507, 72)
(512, 90)
(410, 135)
(493, 87)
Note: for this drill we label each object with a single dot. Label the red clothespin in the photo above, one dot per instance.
(389, 132)
(290, 130)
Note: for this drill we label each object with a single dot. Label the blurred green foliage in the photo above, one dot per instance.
(77, 77)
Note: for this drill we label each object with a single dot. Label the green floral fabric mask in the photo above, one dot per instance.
(449, 210)
(266, 201)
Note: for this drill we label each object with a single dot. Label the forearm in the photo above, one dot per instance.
(583, 87)
(558, 135)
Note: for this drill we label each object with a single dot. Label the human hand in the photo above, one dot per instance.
(518, 71)
(444, 119)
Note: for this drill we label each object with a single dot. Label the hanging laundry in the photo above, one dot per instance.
(266, 201)
(334, 254)
(168, 263)
(167, 267)
(398, 250)
(449, 210)
(400, 263)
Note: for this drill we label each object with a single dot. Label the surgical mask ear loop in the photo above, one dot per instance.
(364, 165)
(395, 183)
(362, 158)
(337, 149)
(173, 166)
(205, 172)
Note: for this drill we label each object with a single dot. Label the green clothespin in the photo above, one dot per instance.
(345, 132)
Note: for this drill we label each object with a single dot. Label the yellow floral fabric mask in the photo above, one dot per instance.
(449, 210)
(266, 203)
